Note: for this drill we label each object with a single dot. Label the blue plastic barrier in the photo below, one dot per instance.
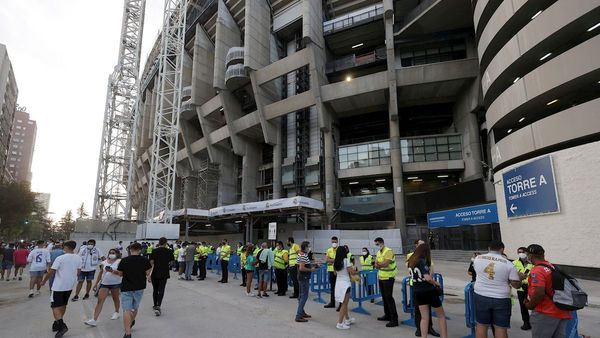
(440, 279)
(408, 304)
(319, 283)
(365, 289)
(210, 261)
(470, 309)
(234, 265)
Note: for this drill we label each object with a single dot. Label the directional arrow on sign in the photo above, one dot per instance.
(513, 208)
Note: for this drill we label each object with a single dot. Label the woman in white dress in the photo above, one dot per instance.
(344, 272)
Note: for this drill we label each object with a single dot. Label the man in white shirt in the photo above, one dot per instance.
(39, 258)
(91, 256)
(64, 270)
(495, 276)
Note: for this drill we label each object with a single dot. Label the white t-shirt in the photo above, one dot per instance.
(39, 259)
(66, 271)
(342, 282)
(90, 258)
(493, 275)
(109, 278)
(181, 255)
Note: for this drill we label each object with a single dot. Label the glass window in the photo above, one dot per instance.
(418, 142)
(344, 158)
(430, 141)
(454, 147)
(418, 150)
(443, 156)
(430, 149)
(343, 165)
(456, 155)
(373, 162)
(373, 153)
(363, 148)
(352, 157)
(441, 140)
(384, 160)
(454, 139)
(343, 150)
(431, 157)
(419, 158)
(442, 148)
(363, 156)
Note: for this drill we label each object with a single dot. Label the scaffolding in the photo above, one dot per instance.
(110, 195)
(302, 126)
(207, 189)
(161, 191)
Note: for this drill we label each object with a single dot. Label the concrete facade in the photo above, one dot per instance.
(542, 97)
(8, 103)
(279, 89)
(22, 145)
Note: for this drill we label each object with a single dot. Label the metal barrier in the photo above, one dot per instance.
(213, 263)
(408, 303)
(319, 283)
(367, 288)
(234, 265)
(470, 309)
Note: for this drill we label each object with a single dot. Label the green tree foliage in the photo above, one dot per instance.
(17, 203)
(65, 226)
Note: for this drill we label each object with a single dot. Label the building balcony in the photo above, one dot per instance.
(354, 60)
(353, 19)
(186, 93)
(235, 55)
(236, 76)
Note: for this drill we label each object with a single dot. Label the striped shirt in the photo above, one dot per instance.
(303, 258)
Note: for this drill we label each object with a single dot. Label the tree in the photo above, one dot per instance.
(81, 211)
(65, 226)
(17, 203)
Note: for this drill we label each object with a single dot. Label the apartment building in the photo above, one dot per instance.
(22, 144)
(8, 103)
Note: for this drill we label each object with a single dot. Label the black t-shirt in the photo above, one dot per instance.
(134, 272)
(473, 272)
(417, 273)
(8, 254)
(161, 257)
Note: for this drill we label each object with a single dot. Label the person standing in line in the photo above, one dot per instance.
(160, 258)
(426, 290)
(293, 260)
(134, 269)
(202, 262)
(243, 265)
(547, 319)
(330, 258)
(471, 270)
(20, 258)
(107, 282)
(249, 262)
(8, 262)
(280, 264)
(495, 276)
(344, 270)
(39, 258)
(265, 260)
(225, 254)
(523, 267)
(190, 252)
(386, 264)
(181, 260)
(305, 269)
(90, 258)
(366, 264)
(431, 331)
(64, 270)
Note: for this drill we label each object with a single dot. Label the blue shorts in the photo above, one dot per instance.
(110, 287)
(493, 311)
(89, 275)
(7, 265)
(264, 275)
(36, 273)
(130, 300)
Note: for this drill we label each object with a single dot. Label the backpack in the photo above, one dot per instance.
(261, 265)
(567, 293)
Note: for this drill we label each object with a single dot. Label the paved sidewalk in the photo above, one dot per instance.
(210, 309)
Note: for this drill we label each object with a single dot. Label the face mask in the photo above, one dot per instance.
(522, 255)
(112, 256)
(334, 245)
(472, 259)
(365, 253)
(309, 249)
(90, 246)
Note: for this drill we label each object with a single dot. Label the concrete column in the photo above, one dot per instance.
(251, 161)
(277, 162)
(465, 122)
(190, 192)
(227, 180)
(227, 35)
(330, 181)
(395, 156)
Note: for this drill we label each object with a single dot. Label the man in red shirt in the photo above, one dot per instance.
(547, 320)
(20, 259)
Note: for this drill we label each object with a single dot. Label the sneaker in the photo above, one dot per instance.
(55, 326)
(329, 306)
(306, 315)
(115, 316)
(392, 324)
(91, 322)
(301, 320)
(127, 336)
(30, 294)
(86, 296)
(74, 299)
(526, 327)
(350, 321)
(157, 311)
(258, 296)
(265, 295)
(37, 292)
(383, 319)
(342, 326)
(61, 331)
(20, 278)
(250, 294)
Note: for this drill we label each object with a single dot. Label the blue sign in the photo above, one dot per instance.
(531, 189)
(473, 215)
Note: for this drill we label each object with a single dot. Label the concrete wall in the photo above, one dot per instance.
(569, 237)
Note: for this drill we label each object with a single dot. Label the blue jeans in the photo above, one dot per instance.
(188, 269)
(130, 300)
(303, 283)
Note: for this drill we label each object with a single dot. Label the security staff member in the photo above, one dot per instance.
(366, 264)
(386, 264)
(293, 256)
(225, 254)
(330, 258)
(204, 251)
(523, 267)
(280, 265)
(417, 311)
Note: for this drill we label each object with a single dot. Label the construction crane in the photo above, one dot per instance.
(110, 199)
(161, 186)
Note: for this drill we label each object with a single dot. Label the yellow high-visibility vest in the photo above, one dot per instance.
(366, 264)
(330, 254)
(225, 252)
(280, 258)
(294, 249)
(389, 271)
(521, 268)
